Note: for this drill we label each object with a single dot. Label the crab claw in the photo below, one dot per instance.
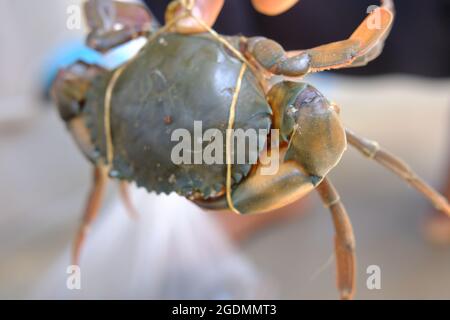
(113, 23)
(205, 11)
(273, 7)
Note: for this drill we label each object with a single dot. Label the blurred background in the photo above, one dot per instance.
(175, 250)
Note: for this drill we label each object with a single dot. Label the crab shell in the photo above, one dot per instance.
(174, 81)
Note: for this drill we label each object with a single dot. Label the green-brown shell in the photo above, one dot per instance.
(174, 81)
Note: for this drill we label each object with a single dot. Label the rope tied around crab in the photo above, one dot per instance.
(188, 6)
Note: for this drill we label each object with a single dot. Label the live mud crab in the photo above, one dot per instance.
(122, 119)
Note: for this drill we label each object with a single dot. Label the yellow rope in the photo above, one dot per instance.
(188, 6)
(229, 152)
(222, 40)
(107, 115)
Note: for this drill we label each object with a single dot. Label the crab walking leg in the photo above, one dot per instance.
(364, 45)
(113, 23)
(92, 209)
(378, 48)
(273, 7)
(206, 11)
(371, 149)
(125, 195)
(437, 227)
(272, 57)
(344, 239)
(369, 56)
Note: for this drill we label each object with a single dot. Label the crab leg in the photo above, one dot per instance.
(113, 23)
(438, 226)
(272, 57)
(364, 45)
(371, 149)
(273, 7)
(378, 48)
(125, 195)
(92, 209)
(368, 57)
(344, 239)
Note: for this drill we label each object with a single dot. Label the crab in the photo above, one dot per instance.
(122, 119)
